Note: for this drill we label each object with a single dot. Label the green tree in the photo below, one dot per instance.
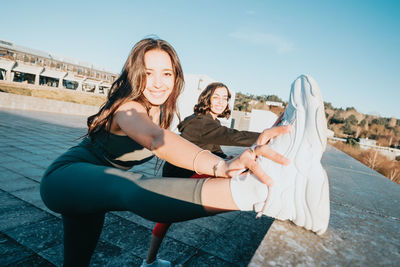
(336, 118)
(350, 108)
(347, 129)
(379, 121)
(328, 105)
(354, 142)
(274, 98)
(352, 120)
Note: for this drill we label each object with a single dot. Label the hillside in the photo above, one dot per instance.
(344, 122)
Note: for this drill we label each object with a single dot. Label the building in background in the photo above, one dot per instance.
(19, 64)
(274, 103)
(240, 120)
(256, 121)
(261, 120)
(31, 66)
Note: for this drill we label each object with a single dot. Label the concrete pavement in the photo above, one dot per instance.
(30, 234)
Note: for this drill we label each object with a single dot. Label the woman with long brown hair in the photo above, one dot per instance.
(90, 179)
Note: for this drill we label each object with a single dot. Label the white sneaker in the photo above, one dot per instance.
(156, 263)
(301, 191)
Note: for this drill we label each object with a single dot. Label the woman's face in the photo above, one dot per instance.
(219, 101)
(160, 78)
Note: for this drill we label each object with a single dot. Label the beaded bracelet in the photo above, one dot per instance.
(216, 166)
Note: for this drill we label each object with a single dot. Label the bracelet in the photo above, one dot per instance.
(216, 166)
(195, 158)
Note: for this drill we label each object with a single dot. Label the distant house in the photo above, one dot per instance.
(274, 104)
(253, 102)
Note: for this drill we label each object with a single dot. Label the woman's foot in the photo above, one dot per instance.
(156, 263)
(301, 190)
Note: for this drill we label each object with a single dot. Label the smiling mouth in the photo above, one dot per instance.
(157, 93)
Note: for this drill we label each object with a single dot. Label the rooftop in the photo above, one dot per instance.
(40, 53)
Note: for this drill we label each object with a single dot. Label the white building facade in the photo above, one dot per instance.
(20, 64)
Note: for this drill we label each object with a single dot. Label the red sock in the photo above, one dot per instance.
(161, 229)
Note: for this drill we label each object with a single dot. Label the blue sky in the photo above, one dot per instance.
(259, 47)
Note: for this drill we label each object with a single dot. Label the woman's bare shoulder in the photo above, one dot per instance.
(125, 113)
(132, 105)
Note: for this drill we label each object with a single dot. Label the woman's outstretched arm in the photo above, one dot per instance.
(133, 120)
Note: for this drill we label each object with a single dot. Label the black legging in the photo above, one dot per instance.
(82, 190)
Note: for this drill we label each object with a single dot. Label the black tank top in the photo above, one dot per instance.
(119, 150)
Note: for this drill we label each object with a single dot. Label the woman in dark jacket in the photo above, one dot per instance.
(203, 129)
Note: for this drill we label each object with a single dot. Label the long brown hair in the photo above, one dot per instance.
(131, 83)
(203, 105)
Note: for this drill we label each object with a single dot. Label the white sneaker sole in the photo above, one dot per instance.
(301, 190)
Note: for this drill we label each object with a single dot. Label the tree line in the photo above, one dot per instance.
(345, 123)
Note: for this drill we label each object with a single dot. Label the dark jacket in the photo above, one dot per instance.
(209, 134)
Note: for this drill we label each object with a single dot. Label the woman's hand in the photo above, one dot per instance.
(247, 160)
